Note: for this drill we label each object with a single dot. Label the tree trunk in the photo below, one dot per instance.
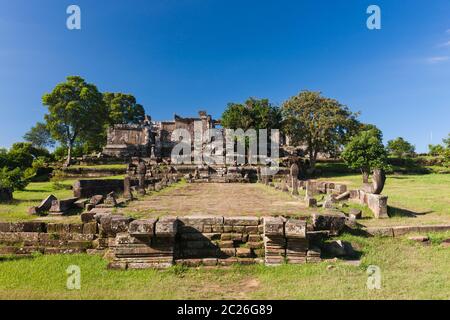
(69, 155)
(365, 174)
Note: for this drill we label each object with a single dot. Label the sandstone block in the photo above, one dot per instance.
(143, 228)
(295, 228)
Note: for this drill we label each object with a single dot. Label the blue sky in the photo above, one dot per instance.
(179, 56)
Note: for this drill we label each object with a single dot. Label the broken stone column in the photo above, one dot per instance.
(142, 170)
(284, 184)
(127, 194)
(294, 177)
(378, 204)
(309, 197)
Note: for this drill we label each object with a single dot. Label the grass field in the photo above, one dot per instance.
(413, 199)
(409, 270)
(34, 193)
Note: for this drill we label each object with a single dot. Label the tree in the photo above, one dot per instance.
(22, 154)
(122, 108)
(12, 179)
(447, 141)
(318, 123)
(76, 112)
(253, 114)
(39, 136)
(365, 151)
(435, 149)
(399, 147)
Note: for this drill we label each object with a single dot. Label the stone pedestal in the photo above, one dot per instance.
(378, 204)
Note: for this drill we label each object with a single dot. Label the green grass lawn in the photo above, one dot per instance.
(31, 196)
(413, 199)
(409, 270)
(34, 193)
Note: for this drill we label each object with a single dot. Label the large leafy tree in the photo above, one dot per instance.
(123, 108)
(39, 136)
(320, 124)
(77, 112)
(399, 147)
(252, 114)
(447, 141)
(365, 151)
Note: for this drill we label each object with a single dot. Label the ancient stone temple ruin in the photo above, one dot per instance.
(153, 139)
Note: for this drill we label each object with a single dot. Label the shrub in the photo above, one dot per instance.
(13, 179)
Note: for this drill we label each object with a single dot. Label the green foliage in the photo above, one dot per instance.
(435, 149)
(13, 179)
(447, 142)
(365, 151)
(39, 136)
(123, 108)
(400, 148)
(76, 112)
(253, 114)
(22, 154)
(319, 123)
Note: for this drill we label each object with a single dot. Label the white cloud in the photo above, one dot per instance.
(434, 60)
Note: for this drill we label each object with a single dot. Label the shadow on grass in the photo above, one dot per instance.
(405, 213)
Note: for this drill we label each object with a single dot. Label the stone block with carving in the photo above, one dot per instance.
(295, 228)
(273, 226)
(142, 228)
(166, 227)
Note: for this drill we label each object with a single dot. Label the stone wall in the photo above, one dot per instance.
(27, 238)
(205, 240)
(161, 243)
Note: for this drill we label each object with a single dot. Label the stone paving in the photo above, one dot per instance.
(218, 199)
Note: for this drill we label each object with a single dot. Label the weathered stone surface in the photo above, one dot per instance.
(242, 221)
(87, 217)
(295, 228)
(46, 204)
(243, 252)
(81, 203)
(60, 207)
(378, 204)
(90, 228)
(166, 227)
(111, 199)
(113, 224)
(142, 228)
(273, 226)
(334, 222)
(329, 202)
(310, 202)
(97, 199)
(200, 220)
(343, 196)
(419, 238)
(380, 232)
